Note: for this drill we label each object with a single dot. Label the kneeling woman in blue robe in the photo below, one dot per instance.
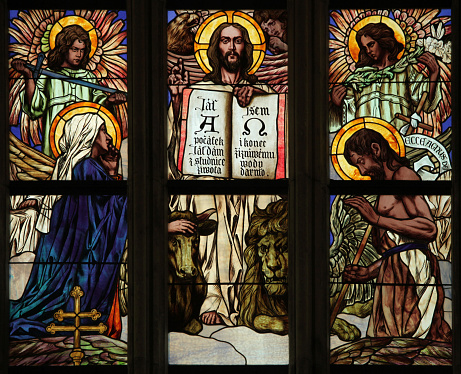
(85, 241)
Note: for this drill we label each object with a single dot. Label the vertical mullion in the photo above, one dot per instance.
(456, 222)
(147, 340)
(308, 187)
(4, 190)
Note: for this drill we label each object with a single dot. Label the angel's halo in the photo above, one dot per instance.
(74, 20)
(353, 46)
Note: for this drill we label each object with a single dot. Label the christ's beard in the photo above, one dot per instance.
(230, 66)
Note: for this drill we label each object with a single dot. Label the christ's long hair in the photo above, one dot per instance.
(384, 36)
(66, 37)
(360, 142)
(213, 53)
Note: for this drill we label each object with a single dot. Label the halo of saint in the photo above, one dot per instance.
(353, 46)
(74, 20)
(389, 132)
(65, 115)
(206, 29)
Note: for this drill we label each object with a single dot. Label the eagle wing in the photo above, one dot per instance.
(348, 228)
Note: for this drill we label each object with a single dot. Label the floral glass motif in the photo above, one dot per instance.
(227, 86)
(68, 252)
(228, 272)
(390, 72)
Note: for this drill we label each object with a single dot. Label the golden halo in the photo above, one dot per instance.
(206, 29)
(354, 48)
(389, 132)
(74, 20)
(83, 107)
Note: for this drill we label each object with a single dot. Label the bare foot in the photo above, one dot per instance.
(211, 318)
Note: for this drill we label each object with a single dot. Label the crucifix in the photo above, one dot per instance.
(77, 353)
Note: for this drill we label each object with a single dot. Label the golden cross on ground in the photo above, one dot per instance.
(77, 353)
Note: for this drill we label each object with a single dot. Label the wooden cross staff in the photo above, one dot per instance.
(424, 126)
(362, 245)
(335, 310)
(77, 353)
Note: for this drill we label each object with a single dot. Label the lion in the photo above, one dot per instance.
(263, 297)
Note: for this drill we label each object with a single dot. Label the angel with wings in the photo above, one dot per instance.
(52, 57)
(381, 63)
(62, 64)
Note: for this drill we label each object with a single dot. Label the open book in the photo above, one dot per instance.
(221, 139)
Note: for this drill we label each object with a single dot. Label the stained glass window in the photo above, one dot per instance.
(401, 89)
(390, 136)
(228, 252)
(227, 116)
(228, 280)
(68, 251)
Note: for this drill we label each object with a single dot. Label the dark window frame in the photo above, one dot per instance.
(148, 189)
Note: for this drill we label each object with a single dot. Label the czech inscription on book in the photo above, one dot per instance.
(221, 139)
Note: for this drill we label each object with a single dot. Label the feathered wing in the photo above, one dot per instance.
(348, 229)
(191, 65)
(422, 27)
(426, 28)
(30, 34)
(28, 164)
(274, 72)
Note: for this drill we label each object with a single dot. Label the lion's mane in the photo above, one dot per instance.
(253, 297)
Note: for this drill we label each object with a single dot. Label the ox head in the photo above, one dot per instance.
(183, 248)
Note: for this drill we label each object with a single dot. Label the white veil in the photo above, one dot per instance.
(76, 142)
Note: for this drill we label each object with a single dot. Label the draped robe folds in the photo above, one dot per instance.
(384, 93)
(51, 95)
(83, 247)
(221, 254)
(408, 300)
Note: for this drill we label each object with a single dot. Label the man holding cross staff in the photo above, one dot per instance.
(408, 299)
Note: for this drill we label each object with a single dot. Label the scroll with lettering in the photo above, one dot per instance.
(221, 139)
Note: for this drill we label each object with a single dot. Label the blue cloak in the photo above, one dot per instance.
(84, 247)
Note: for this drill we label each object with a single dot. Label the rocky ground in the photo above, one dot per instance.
(220, 345)
(55, 351)
(388, 351)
